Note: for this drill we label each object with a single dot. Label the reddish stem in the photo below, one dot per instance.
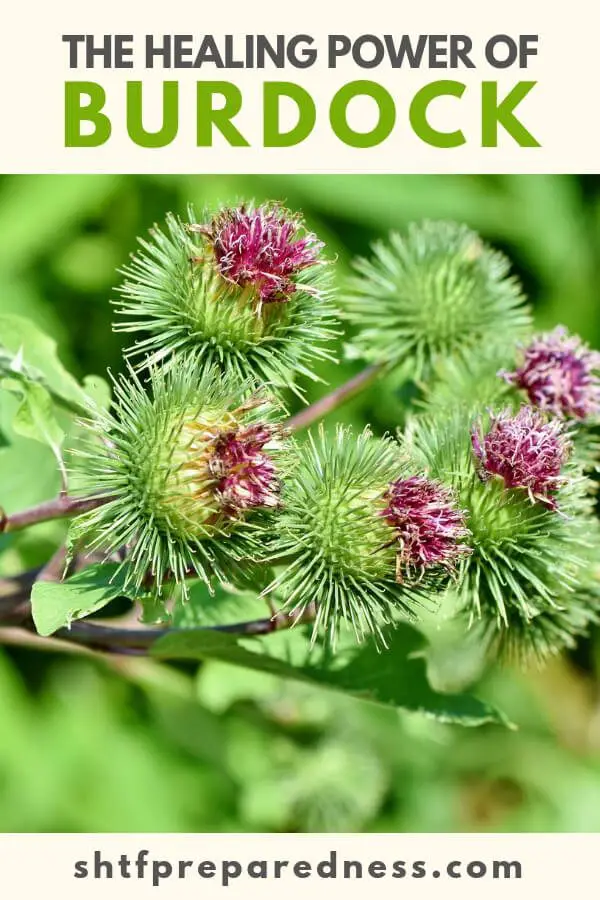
(331, 401)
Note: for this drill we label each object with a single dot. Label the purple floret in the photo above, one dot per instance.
(246, 474)
(429, 526)
(526, 450)
(559, 374)
(264, 248)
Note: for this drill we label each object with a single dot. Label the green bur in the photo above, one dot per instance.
(528, 580)
(152, 468)
(432, 293)
(176, 300)
(344, 550)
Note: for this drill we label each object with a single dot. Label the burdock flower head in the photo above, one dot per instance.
(359, 539)
(246, 291)
(428, 524)
(186, 475)
(526, 559)
(262, 248)
(525, 450)
(559, 374)
(435, 292)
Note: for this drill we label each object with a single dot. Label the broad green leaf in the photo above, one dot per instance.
(28, 475)
(29, 355)
(455, 660)
(392, 678)
(98, 399)
(35, 418)
(224, 607)
(455, 656)
(98, 391)
(55, 605)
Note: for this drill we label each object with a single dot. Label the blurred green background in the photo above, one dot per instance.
(95, 744)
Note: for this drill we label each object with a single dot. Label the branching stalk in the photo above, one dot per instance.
(62, 507)
(115, 640)
(335, 399)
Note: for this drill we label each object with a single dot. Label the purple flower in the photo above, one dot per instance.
(428, 524)
(526, 450)
(557, 372)
(245, 474)
(263, 248)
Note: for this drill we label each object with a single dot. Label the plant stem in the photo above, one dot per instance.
(331, 401)
(62, 507)
(115, 640)
(55, 567)
(15, 609)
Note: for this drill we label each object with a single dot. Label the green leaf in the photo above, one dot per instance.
(35, 418)
(391, 678)
(225, 606)
(98, 391)
(28, 476)
(98, 400)
(29, 355)
(455, 656)
(55, 605)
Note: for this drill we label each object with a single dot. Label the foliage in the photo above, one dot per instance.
(237, 749)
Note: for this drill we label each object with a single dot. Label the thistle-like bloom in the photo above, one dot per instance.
(559, 374)
(525, 556)
(436, 292)
(247, 293)
(263, 248)
(525, 450)
(340, 549)
(428, 524)
(245, 472)
(185, 474)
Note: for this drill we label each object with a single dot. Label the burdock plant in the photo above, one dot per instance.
(559, 374)
(362, 538)
(185, 474)
(191, 489)
(246, 290)
(434, 293)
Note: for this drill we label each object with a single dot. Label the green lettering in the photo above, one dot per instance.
(339, 119)
(219, 118)
(418, 113)
(494, 113)
(307, 114)
(170, 121)
(76, 112)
